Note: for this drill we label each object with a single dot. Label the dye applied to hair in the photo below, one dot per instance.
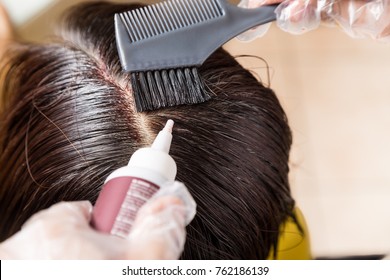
(128, 188)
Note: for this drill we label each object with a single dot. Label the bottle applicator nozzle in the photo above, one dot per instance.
(164, 138)
(169, 126)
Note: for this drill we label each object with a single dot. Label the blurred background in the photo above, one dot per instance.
(336, 92)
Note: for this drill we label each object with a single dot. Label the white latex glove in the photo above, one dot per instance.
(63, 231)
(258, 31)
(357, 18)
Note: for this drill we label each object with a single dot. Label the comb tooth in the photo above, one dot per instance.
(217, 8)
(166, 16)
(221, 11)
(199, 11)
(129, 24)
(210, 8)
(182, 12)
(206, 9)
(141, 27)
(162, 19)
(153, 15)
(125, 23)
(191, 12)
(135, 27)
(170, 15)
(213, 7)
(151, 21)
(167, 19)
(145, 22)
(178, 17)
(158, 18)
(205, 12)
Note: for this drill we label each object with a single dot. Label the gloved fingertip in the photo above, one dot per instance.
(160, 204)
(258, 31)
(83, 207)
(297, 17)
(86, 207)
(179, 190)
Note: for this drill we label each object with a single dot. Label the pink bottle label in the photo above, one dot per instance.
(118, 203)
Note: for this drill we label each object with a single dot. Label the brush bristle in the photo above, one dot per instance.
(166, 88)
(168, 16)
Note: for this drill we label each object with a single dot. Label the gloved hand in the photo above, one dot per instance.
(63, 231)
(357, 18)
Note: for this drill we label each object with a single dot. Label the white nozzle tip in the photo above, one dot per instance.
(169, 126)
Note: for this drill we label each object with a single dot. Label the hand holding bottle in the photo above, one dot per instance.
(63, 231)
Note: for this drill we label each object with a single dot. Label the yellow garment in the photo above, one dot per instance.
(292, 243)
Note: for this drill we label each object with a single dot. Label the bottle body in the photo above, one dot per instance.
(125, 191)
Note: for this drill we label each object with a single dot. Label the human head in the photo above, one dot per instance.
(68, 120)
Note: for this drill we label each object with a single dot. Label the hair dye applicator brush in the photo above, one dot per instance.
(163, 45)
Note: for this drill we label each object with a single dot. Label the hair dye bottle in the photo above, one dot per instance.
(128, 188)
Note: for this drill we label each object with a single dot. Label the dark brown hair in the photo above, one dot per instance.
(68, 120)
